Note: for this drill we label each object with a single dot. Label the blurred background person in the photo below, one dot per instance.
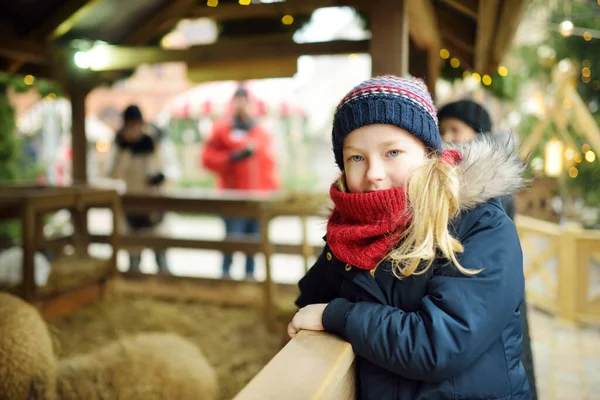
(239, 152)
(145, 160)
(463, 121)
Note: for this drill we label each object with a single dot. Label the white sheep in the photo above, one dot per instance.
(28, 365)
(144, 366)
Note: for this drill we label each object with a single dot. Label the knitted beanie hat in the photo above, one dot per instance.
(132, 113)
(470, 113)
(402, 102)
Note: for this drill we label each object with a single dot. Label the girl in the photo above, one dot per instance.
(422, 271)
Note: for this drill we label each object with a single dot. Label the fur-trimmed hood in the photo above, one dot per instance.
(490, 168)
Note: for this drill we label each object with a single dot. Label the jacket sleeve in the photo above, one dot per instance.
(459, 318)
(215, 156)
(321, 284)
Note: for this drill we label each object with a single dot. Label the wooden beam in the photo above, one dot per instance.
(459, 33)
(262, 68)
(486, 27)
(389, 37)
(122, 58)
(468, 8)
(510, 18)
(234, 11)
(423, 26)
(17, 48)
(174, 10)
(63, 20)
(57, 25)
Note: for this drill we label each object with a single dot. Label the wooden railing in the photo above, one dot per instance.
(261, 206)
(562, 268)
(29, 204)
(313, 365)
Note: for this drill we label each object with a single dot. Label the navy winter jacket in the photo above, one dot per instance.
(440, 335)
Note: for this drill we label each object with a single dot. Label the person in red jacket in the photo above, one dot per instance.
(239, 152)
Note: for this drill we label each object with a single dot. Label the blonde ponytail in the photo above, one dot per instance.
(433, 193)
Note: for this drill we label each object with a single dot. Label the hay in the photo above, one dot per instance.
(159, 366)
(71, 272)
(66, 273)
(28, 368)
(234, 340)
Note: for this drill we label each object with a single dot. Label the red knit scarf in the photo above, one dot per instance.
(364, 227)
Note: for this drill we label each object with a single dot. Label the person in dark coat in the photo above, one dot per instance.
(422, 271)
(463, 121)
(144, 160)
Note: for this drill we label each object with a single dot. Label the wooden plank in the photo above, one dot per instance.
(389, 37)
(459, 33)
(252, 246)
(225, 292)
(241, 208)
(17, 48)
(423, 26)
(567, 296)
(262, 68)
(173, 10)
(486, 27)
(468, 8)
(68, 303)
(122, 58)
(323, 369)
(233, 11)
(65, 19)
(510, 17)
(544, 228)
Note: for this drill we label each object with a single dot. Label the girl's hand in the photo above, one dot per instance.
(308, 318)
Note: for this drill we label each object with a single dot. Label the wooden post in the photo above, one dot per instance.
(268, 252)
(307, 251)
(114, 237)
(567, 273)
(78, 91)
(389, 37)
(28, 236)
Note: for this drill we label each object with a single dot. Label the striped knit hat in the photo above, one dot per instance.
(402, 102)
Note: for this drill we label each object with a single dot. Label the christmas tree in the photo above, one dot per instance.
(8, 145)
(9, 154)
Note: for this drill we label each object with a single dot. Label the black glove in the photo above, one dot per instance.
(241, 155)
(156, 180)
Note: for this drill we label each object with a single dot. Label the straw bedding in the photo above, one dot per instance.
(234, 340)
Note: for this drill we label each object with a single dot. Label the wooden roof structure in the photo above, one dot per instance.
(41, 38)
(32, 32)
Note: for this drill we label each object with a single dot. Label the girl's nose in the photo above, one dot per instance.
(376, 171)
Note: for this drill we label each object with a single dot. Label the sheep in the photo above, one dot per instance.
(144, 366)
(28, 365)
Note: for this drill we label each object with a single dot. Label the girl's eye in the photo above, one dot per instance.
(394, 153)
(356, 158)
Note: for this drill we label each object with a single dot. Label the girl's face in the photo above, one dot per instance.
(379, 157)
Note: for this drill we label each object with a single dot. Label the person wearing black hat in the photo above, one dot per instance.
(463, 121)
(142, 158)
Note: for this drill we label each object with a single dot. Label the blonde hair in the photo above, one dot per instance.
(433, 195)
